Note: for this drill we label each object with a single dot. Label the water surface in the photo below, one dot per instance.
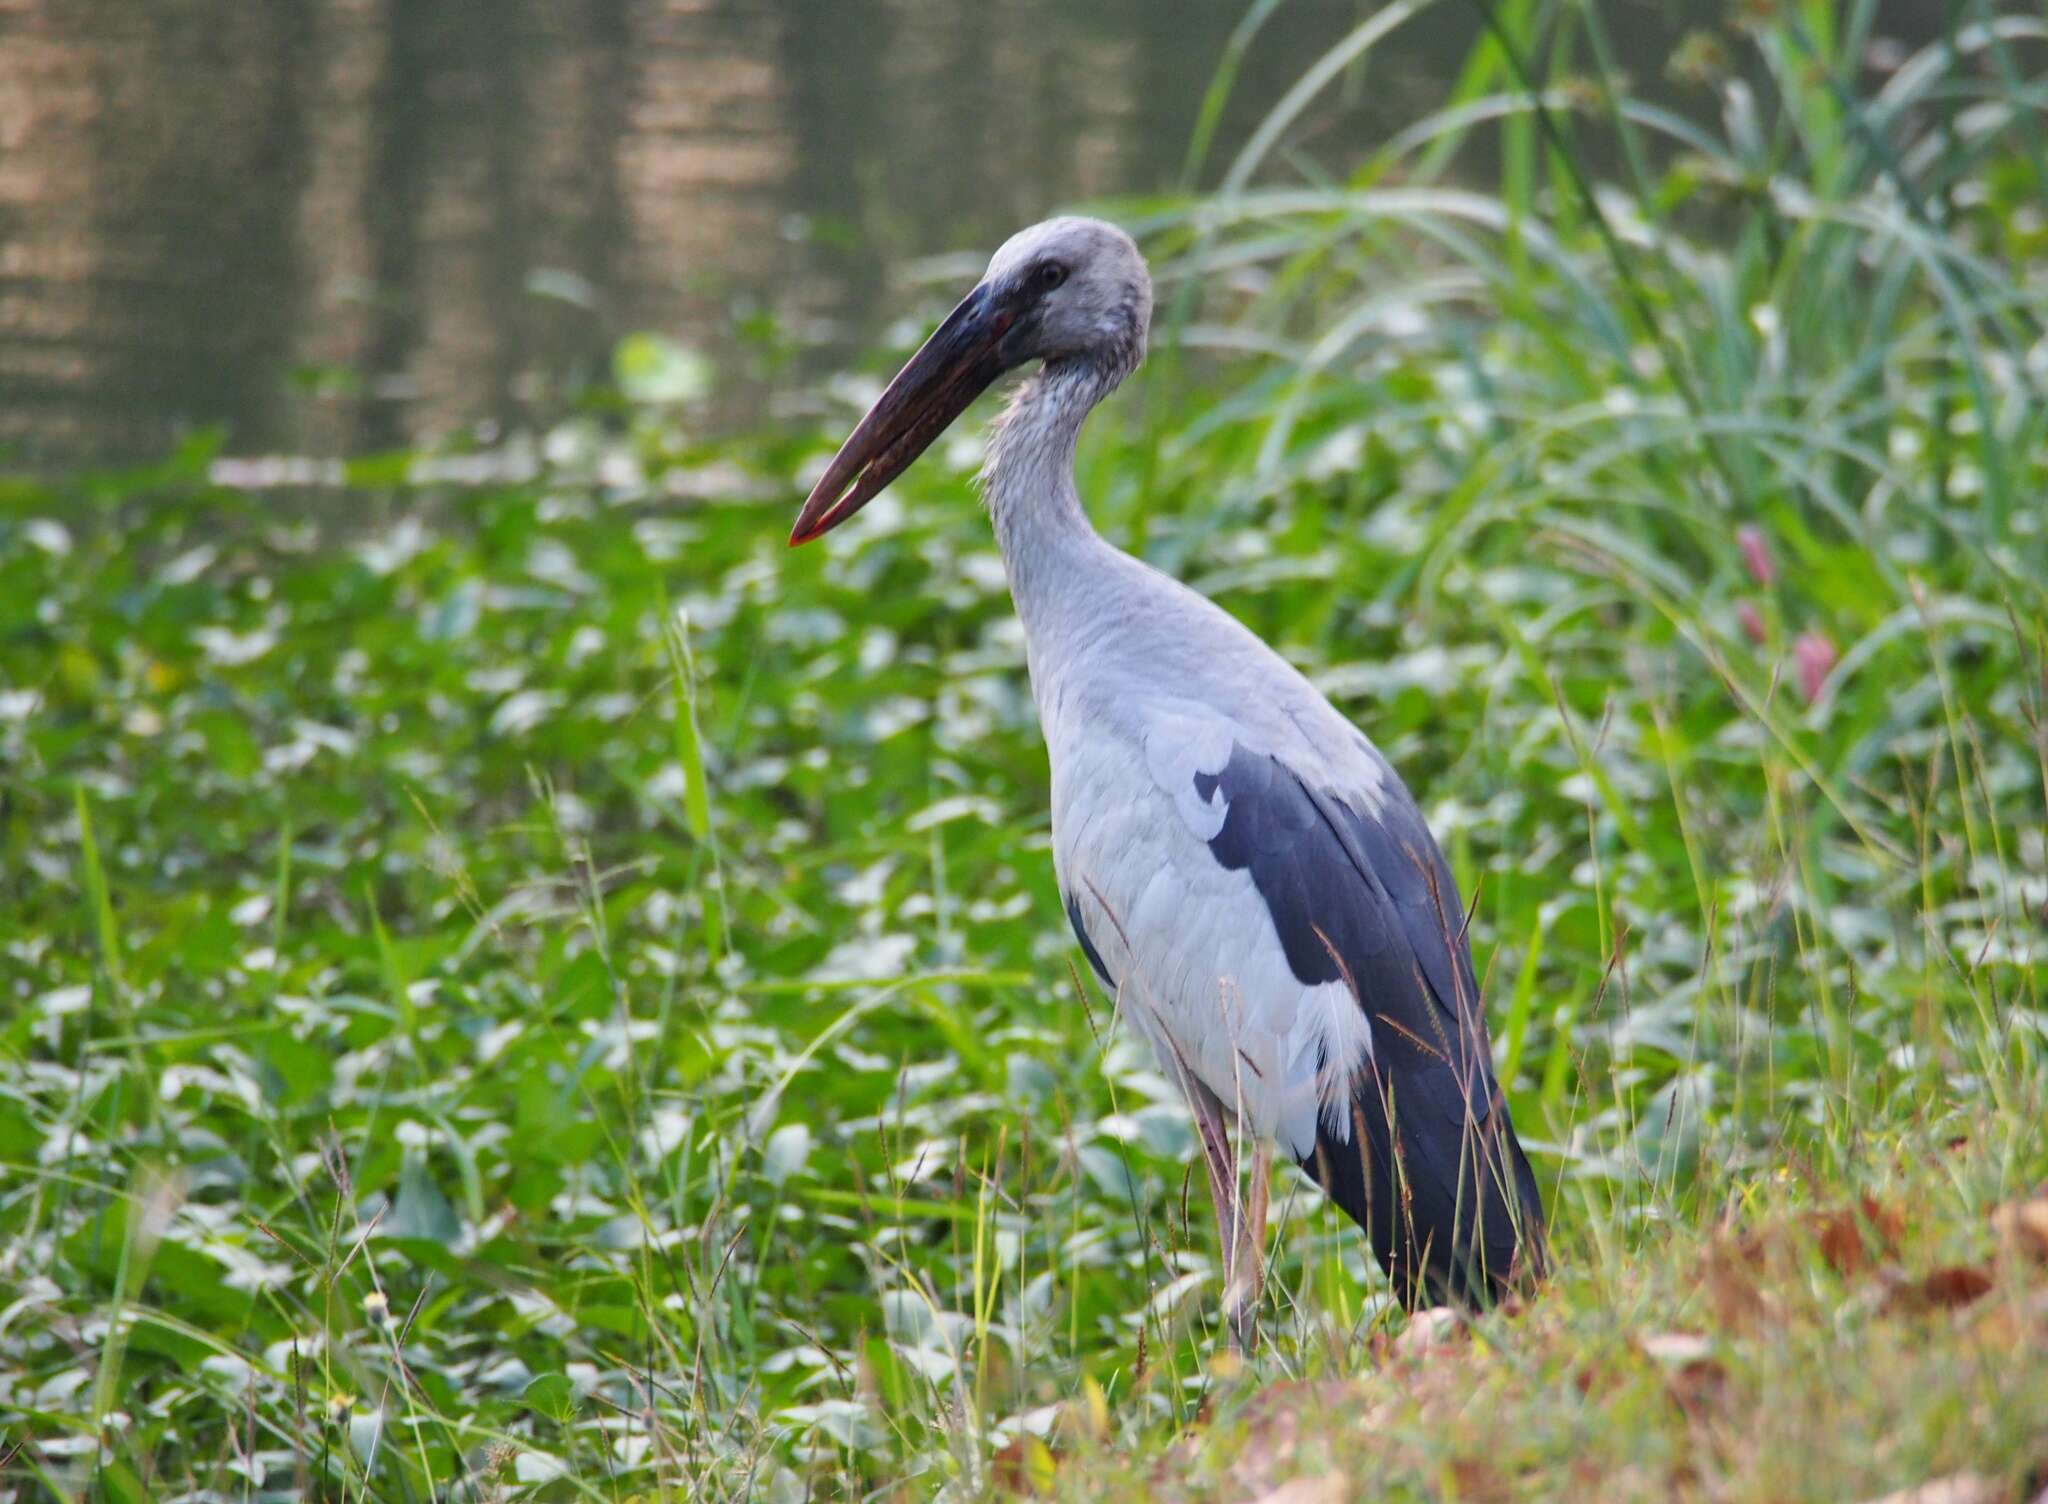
(330, 226)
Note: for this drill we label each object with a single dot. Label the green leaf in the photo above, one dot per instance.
(651, 368)
(421, 1210)
(551, 1395)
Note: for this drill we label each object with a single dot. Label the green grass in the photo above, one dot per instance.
(531, 990)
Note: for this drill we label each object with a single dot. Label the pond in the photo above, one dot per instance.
(331, 226)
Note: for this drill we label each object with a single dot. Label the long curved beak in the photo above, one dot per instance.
(948, 372)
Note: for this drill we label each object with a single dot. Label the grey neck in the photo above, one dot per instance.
(1028, 480)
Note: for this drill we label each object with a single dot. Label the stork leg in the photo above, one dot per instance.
(1248, 1262)
(1240, 1219)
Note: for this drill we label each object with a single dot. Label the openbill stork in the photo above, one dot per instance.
(1245, 873)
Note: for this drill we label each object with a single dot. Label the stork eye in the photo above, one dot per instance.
(1050, 274)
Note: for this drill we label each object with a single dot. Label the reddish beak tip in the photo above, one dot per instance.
(949, 370)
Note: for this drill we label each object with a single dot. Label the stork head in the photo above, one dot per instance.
(1066, 291)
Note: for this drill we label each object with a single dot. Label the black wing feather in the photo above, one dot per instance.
(1431, 1167)
(1088, 946)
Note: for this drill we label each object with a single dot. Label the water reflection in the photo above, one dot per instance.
(335, 225)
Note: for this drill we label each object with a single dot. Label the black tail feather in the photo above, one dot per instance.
(1448, 1198)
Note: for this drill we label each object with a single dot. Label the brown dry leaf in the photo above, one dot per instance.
(2022, 1227)
(1479, 1482)
(1699, 1389)
(1852, 1239)
(1694, 1376)
(1728, 1273)
(1946, 1289)
(1956, 1488)
(1331, 1488)
(1025, 1466)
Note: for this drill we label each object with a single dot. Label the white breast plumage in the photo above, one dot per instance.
(1186, 945)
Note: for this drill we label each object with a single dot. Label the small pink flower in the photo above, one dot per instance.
(1814, 656)
(1756, 553)
(1752, 621)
